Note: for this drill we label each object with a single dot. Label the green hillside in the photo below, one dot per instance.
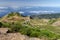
(41, 28)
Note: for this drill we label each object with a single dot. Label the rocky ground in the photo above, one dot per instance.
(16, 36)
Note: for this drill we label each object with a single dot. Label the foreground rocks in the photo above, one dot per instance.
(3, 30)
(16, 36)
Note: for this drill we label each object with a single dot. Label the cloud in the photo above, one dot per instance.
(34, 12)
(3, 7)
(28, 7)
(3, 10)
(21, 12)
(41, 12)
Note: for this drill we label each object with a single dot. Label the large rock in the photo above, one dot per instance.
(17, 36)
(3, 30)
(34, 39)
(13, 36)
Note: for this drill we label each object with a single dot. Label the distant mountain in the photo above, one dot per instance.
(46, 16)
(29, 10)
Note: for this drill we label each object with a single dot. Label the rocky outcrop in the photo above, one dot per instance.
(3, 30)
(16, 36)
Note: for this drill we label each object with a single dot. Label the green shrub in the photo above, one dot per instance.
(13, 14)
(1, 24)
(36, 32)
(48, 33)
(52, 21)
(5, 24)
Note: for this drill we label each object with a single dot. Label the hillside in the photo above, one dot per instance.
(40, 28)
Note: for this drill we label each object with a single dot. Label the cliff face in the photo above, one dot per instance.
(16, 36)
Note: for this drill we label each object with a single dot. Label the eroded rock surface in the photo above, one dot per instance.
(16, 36)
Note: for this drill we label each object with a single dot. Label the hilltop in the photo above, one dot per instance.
(13, 17)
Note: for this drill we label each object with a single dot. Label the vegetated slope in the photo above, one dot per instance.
(41, 28)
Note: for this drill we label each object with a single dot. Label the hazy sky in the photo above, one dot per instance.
(22, 3)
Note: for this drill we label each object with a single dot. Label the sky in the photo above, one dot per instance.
(22, 3)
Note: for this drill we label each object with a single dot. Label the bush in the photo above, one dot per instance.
(1, 24)
(48, 33)
(13, 14)
(15, 28)
(6, 24)
(52, 21)
(36, 32)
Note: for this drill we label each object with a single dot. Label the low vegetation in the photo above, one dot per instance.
(31, 27)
